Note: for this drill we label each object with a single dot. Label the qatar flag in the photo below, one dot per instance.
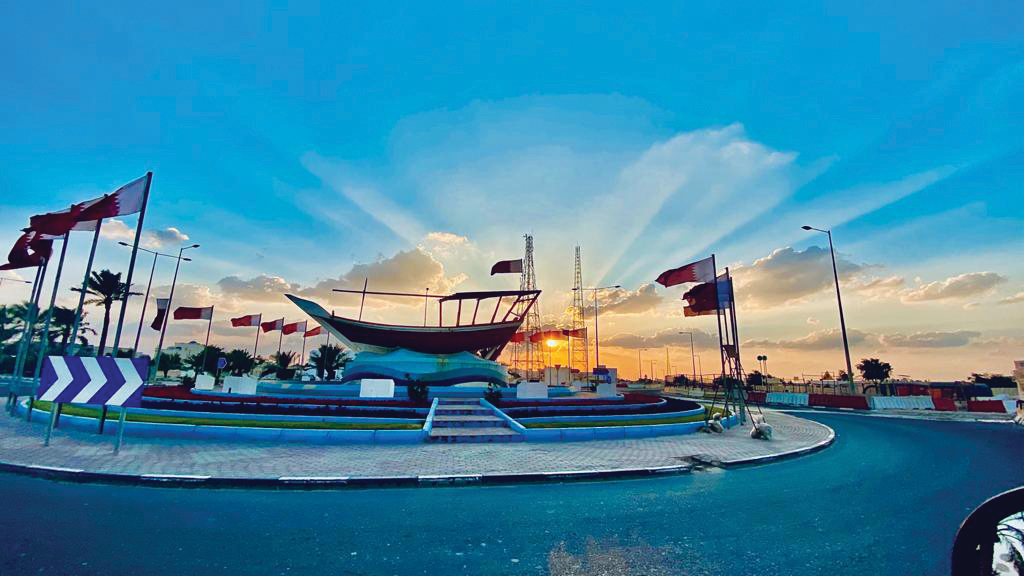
(127, 199)
(161, 314)
(55, 223)
(190, 313)
(507, 267)
(577, 333)
(29, 251)
(294, 327)
(250, 320)
(699, 271)
(518, 337)
(311, 333)
(272, 325)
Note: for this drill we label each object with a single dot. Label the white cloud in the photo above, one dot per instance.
(1015, 299)
(621, 301)
(668, 337)
(817, 340)
(787, 275)
(962, 286)
(929, 339)
(116, 229)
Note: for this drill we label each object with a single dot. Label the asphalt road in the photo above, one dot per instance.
(886, 498)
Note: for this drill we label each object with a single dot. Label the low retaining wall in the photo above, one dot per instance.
(993, 406)
(612, 432)
(613, 417)
(901, 403)
(787, 398)
(199, 431)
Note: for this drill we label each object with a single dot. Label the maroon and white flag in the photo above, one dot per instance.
(191, 313)
(272, 325)
(29, 251)
(55, 223)
(699, 271)
(161, 314)
(294, 327)
(311, 333)
(125, 200)
(250, 320)
(507, 267)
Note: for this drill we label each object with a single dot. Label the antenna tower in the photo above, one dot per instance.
(579, 357)
(528, 281)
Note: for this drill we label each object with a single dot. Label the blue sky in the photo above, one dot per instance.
(297, 141)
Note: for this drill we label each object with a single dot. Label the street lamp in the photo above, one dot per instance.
(839, 298)
(693, 358)
(597, 338)
(170, 300)
(145, 300)
(639, 364)
(13, 280)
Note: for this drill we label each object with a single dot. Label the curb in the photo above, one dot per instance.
(80, 476)
(784, 455)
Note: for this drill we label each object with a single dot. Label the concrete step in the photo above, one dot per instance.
(453, 409)
(475, 435)
(469, 421)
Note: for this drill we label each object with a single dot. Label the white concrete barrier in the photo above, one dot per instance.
(901, 403)
(240, 385)
(786, 398)
(376, 388)
(204, 382)
(1011, 406)
(606, 390)
(531, 390)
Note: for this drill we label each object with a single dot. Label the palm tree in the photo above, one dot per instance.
(239, 362)
(328, 360)
(105, 287)
(63, 320)
(169, 362)
(280, 363)
(874, 370)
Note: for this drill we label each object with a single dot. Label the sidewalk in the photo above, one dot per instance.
(74, 455)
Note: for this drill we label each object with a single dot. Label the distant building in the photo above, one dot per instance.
(184, 349)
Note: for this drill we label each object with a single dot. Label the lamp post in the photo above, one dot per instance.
(597, 338)
(839, 299)
(149, 285)
(693, 358)
(639, 364)
(170, 300)
(700, 370)
(13, 280)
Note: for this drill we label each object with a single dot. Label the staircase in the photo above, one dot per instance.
(463, 420)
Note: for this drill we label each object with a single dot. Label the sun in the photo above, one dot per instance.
(552, 343)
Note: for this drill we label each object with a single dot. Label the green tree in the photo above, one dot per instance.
(205, 360)
(105, 288)
(280, 364)
(874, 370)
(169, 362)
(62, 321)
(755, 379)
(240, 362)
(328, 360)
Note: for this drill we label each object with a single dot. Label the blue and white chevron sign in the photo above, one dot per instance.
(87, 380)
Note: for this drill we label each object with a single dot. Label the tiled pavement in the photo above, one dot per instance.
(21, 444)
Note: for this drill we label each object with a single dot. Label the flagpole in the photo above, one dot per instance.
(257, 344)
(280, 337)
(131, 265)
(85, 284)
(27, 340)
(303, 354)
(29, 310)
(163, 327)
(46, 324)
(145, 303)
(206, 347)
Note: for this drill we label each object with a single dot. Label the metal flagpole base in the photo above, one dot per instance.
(120, 429)
(53, 420)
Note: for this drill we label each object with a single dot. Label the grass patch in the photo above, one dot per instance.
(89, 412)
(626, 421)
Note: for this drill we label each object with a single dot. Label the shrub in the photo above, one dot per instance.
(417, 392)
(493, 393)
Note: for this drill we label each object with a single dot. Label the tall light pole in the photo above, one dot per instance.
(700, 369)
(693, 358)
(639, 364)
(597, 338)
(149, 285)
(13, 280)
(426, 301)
(839, 298)
(170, 300)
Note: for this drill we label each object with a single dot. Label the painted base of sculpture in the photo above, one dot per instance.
(405, 366)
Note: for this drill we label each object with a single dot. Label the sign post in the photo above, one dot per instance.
(98, 381)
